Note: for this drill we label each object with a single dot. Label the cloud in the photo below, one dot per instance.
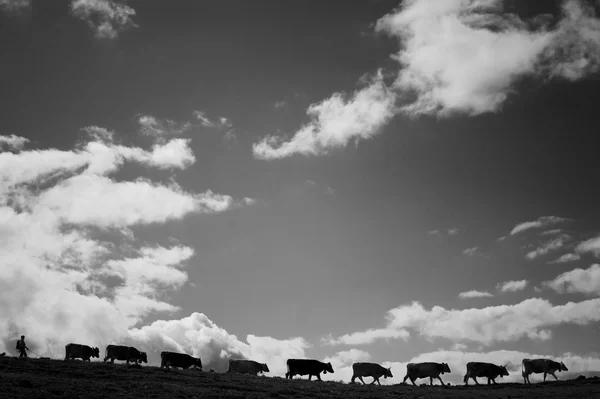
(551, 232)
(589, 246)
(221, 122)
(452, 232)
(72, 269)
(542, 222)
(474, 251)
(13, 142)
(531, 318)
(151, 126)
(512, 286)
(106, 17)
(335, 122)
(583, 281)
(567, 258)
(14, 5)
(199, 336)
(438, 232)
(548, 246)
(280, 104)
(474, 294)
(466, 56)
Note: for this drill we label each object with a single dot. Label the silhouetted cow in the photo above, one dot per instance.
(181, 360)
(424, 370)
(489, 370)
(307, 366)
(128, 353)
(536, 366)
(83, 352)
(247, 367)
(374, 370)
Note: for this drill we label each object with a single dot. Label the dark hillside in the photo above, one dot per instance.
(41, 378)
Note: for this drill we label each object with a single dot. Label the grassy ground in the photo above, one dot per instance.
(40, 378)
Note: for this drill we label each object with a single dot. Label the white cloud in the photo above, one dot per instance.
(151, 126)
(584, 281)
(66, 273)
(106, 17)
(452, 232)
(335, 122)
(542, 222)
(548, 246)
(433, 232)
(13, 142)
(199, 336)
(462, 56)
(474, 294)
(14, 5)
(280, 104)
(567, 258)
(551, 232)
(531, 318)
(220, 123)
(589, 246)
(512, 286)
(474, 251)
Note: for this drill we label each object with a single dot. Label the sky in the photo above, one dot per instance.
(382, 181)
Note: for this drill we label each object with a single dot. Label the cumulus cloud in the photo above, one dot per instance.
(14, 5)
(532, 318)
(466, 56)
(199, 336)
(455, 57)
(512, 286)
(542, 222)
(474, 294)
(584, 281)
(567, 258)
(67, 275)
(335, 122)
(473, 251)
(589, 246)
(106, 17)
(548, 246)
(13, 142)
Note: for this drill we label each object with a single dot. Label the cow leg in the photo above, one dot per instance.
(554, 375)
(545, 376)
(494, 381)
(319, 377)
(430, 380)
(309, 377)
(376, 379)
(441, 382)
(413, 381)
(361, 380)
(489, 379)
(405, 377)
(475, 379)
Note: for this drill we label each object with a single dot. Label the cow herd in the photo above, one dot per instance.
(314, 368)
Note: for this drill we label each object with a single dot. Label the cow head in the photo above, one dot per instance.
(503, 371)
(562, 367)
(388, 373)
(143, 357)
(95, 352)
(329, 368)
(198, 363)
(445, 368)
(264, 368)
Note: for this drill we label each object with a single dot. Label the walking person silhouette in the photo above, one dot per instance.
(22, 347)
